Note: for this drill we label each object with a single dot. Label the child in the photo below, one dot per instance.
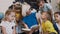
(8, 25)
(31, 20)
(19, 24)
(57, 18)
(47, 26)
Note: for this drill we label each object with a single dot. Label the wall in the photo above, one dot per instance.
(4, 4)
(54, 4)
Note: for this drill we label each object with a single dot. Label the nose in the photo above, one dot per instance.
(13, 19)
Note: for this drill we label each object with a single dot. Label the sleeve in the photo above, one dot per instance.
(3, 24)
(49, 6)
(49, 27)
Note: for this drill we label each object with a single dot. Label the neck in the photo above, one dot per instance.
(45, 20)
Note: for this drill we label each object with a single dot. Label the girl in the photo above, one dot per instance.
(8, 25)
(57, 18)
(19, 24)
(47, 26)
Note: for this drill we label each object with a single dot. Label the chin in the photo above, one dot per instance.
(43, 18)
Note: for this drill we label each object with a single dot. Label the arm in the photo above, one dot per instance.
(24, 25)
(50, 28)
(14, 30)
(4, 30)
(38, 16)
(37, 28)
(38, 19)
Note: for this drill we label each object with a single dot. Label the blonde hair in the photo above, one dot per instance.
(48, 15)
(9, 11)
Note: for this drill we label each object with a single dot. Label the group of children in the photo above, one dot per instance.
(14, 21)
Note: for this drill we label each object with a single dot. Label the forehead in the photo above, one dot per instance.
(57, 15)
(12, 13)
(42, 1)
(44, 13)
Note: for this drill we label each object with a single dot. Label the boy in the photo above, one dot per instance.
(57, 25)
(30, 19)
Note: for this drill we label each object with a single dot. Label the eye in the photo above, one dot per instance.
(13, 16)
(56, 16)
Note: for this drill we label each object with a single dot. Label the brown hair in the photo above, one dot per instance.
(18, 6)
(57, 13)
(9, 11)
(38, 1)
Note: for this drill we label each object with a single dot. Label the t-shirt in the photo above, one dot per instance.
(55, 26)
(48, 27)
(18, 15)
(46, 7)
(58, 27)
(30, 20)
(8, 25)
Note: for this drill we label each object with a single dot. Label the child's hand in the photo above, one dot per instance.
(26, 26)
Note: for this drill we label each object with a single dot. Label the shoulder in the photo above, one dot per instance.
(3, 23)
(48, 5)
(48, 23)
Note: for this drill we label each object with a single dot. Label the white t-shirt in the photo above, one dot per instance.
(58, 26)
(8, 25)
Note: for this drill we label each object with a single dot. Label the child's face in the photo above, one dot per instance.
(44, 15)
(11, 16)
(57, 17)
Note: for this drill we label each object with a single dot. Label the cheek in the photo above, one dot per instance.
(56, 18)
(43, 16)
(10, 18)
(41, 4)
(59, 17)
